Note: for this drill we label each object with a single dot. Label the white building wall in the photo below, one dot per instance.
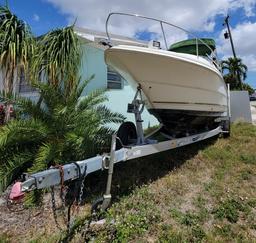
(240, 106)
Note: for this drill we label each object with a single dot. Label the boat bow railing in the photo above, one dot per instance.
(213, 58)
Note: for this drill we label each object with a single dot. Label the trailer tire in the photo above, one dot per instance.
(126, 131)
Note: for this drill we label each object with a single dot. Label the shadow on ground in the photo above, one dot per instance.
(135, 173)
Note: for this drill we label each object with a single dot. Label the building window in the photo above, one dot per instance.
(114, 79)
(24, 86)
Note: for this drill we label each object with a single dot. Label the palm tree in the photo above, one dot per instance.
(236, 72)
(16, 49)
(62, 129)
(58, 57)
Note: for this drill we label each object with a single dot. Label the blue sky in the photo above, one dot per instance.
(40, 15)
(202, 17)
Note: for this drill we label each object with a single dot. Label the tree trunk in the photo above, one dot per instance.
(8, 89)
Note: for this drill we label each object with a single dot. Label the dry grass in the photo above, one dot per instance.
(205, 192)
(209, 198)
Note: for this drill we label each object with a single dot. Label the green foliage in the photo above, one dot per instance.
(235, 67)
(236, 72)
(193, 234)
(59, 130)
(225, 230)
(16, 46)
(14, 166)
(172, 236)
(248, 88)
(189, 219)
(246, 174)
(133, 218)
(229, 209)
(59, 127)
(57, 58)
(4, 238)
(198, 234)
(248, 158)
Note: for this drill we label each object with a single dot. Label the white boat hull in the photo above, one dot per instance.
(172, 83)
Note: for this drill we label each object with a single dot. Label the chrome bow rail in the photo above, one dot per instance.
(198, 40)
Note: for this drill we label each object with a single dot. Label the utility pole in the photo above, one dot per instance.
(227, 35)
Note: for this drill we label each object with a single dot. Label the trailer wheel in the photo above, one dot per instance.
(125, 133)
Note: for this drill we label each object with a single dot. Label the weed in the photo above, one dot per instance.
(246, 174)
(4, 238)
(248, 158)
(208, 197)
(189, 219)
(134, 217)
(174, 213)
(224, 230)
(229, 209)
(216, 153)
(200, 201)
(252, 221)
(252, 203)
(172, 236)
(198, 233)
(209, 186)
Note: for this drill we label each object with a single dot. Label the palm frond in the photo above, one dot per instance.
(78, 89)
(18, 132)
(59, 58)
(107, 116)
(16, 46)
(89, 101)
(46, 153)
(13, 167)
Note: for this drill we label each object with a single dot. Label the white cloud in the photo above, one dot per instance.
(247, 5)
(36, 17)
(197, 15)
(243, 36)
(194, 15)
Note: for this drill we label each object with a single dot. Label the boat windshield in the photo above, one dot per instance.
(197, 46)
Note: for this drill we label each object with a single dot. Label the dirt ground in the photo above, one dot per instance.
(15, 220)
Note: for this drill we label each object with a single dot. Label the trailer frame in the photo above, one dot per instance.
(135, 148)
(51, 177)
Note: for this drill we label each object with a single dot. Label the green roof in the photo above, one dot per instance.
(189, 46)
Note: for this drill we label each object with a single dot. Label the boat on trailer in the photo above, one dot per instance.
(182, 85)
(132, 143)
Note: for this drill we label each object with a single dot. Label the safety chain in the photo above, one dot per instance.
(62, 196)
(79, 184)
(60, 167)
(75, 200)
(82, 179)
(54, 208)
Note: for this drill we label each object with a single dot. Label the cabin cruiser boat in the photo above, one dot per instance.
(182, 86)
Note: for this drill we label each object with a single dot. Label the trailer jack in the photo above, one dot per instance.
(104, 202)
